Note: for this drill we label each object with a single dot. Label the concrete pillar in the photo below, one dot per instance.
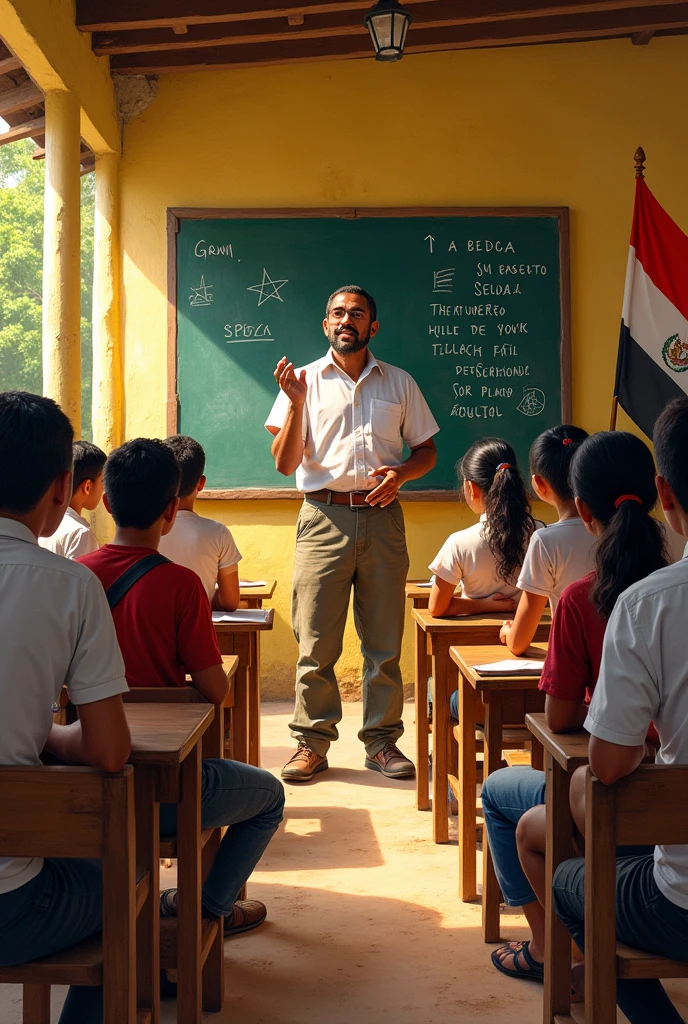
(107, 361)
(61, 264)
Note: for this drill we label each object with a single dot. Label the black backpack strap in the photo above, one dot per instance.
(132, 575)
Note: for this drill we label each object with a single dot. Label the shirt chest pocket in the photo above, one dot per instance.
(385, 419)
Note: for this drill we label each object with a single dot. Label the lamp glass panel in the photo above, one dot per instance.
(401, 42)
(383, 30)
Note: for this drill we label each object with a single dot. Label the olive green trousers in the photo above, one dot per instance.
(339, 548)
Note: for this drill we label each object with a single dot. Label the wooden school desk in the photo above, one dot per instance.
(166, 754)
(253, 597)
(439, 635)
(419, 597)
(242, 637)
(495, 700)
(564, 752)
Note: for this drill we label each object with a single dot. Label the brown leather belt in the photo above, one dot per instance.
(354, 499)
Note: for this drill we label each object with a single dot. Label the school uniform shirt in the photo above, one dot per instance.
(644, 678)
(351, 428)
(557, 556)
(164, 623)
(55, 629)
(73, 537)
(203, 545)
(574, 652)
(465, 558)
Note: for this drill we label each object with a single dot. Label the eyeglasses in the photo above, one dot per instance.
(339, 314)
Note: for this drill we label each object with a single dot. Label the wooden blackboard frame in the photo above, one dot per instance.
(177, 214)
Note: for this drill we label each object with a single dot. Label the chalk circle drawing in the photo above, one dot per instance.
(532, 403)
(268, 289)
(201, 296)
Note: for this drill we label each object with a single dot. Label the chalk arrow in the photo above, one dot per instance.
(430, 239)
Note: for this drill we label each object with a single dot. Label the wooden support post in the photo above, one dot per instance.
(107, 361)
(61, 256)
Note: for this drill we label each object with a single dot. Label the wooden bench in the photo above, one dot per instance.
(643, 808)
(79, 812)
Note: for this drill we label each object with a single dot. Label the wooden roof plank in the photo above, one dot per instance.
(24, 96)
(23, 131)
(522, 32)
(9, 64)
(129, 15)
(439, 13)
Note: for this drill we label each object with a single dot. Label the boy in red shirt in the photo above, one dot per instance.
(165, 630)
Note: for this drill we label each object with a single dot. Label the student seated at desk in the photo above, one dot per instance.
(612, 477)
(643, 678)
(559, 554)
(201, 544)
(74, 536)
(55, 630)
(164, 625)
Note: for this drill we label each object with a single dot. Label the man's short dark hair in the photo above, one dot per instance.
(669, 436)
(191, 458)
(35, 448)
(141, 479)
(89, 460)
(354, 289)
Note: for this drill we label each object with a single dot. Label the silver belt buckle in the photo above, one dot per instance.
(351, 504)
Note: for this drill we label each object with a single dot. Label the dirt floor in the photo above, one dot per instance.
(364, 922)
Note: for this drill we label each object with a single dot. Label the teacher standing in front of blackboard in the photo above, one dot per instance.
(339, 423)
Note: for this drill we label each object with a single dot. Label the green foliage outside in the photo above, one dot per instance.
(21, 273)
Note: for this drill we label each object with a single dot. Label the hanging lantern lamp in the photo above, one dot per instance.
(388, 24)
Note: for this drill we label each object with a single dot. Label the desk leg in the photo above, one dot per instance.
(422, 725)
(557, 994)
(468, 888)
(189, 894)
(440, 743)
(148, 859)
(253, 726)
(239, 736)
(493, 760)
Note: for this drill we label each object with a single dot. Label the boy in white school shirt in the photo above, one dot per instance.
(74, 536)
(203, 545)
(55, 629)
(643, 678)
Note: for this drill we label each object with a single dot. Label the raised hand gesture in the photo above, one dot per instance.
(295, 388)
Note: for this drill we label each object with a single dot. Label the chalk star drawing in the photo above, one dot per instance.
(532, 403)
(443, 280)
(201, 296)
(267, 289)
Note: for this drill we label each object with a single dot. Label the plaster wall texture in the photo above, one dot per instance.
(545, 125)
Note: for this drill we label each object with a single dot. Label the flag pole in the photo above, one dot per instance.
(639, 160)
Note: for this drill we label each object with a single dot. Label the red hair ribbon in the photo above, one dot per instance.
(626, 497)
(503, 465)
(567, 440)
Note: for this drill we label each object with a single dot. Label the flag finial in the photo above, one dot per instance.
(639, 158)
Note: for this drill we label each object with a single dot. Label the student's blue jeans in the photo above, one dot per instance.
(644, 918)
(62, 905)
(507, 794)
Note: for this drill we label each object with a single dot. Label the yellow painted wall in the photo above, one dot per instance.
(547, 125)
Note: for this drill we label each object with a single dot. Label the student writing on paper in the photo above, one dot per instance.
(201, 544)
(612, 478)
(559, 554)
(164, 625)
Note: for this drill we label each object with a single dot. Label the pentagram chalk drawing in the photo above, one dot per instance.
(268, 289)
(201, 296)
(532, 403)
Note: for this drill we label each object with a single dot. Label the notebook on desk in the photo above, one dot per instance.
(511, 667)
(247, 615)
(251, 583)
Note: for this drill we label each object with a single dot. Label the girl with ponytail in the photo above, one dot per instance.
(613, 481)
(485, 558)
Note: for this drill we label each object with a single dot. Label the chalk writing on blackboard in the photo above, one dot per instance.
(532, 403)
(268, 289)
(443, 280)
(235, 333)
(201, 296)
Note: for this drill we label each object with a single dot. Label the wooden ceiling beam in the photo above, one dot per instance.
(439, 14)
(607, 24)
(642, 38)
(130, 15)
(24, 96)
(9, 64)
(23, 131)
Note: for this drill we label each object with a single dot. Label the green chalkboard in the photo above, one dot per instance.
(473, 303)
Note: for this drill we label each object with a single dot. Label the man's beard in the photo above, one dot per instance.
(346, 346)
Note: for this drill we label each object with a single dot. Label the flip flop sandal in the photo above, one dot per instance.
(532, 971)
